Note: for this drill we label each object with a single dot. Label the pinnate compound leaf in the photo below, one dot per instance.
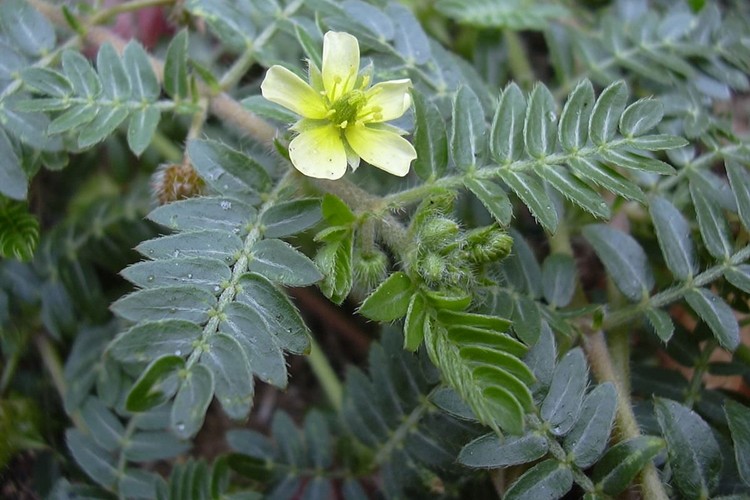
(175, 67)
(148, 341)
(549, 479)
(493, 197)
(694, 454)
(191, 402)
(205, 213)
(540, 127)
(491, 451)
(232, 374)
(506, 136)
(468, 130)
(673, 232)
(574, 120)
(188, 303)
(622, 462)
(429, 139)
(562, 405)
(623, 258)
(390, 300)
(606, 113)
(738, 417)
(291, 217)
(588, 438)
(717, 314)
(532, 194)
(13, 179)
(95, 461)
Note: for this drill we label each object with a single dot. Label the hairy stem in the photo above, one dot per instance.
(328, 379)
(626, 424)
(51, 361)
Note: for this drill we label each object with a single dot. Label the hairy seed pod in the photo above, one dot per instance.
(175, 181)
(370, 268)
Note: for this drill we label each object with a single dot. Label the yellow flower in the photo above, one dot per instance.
(342, 119)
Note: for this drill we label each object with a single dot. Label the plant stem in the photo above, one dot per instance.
(123, 8)
(323, 371)
(626, 425)
(52, 363)
(518, 60)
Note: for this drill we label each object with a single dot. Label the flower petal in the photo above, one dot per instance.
(319, 152)
(382, 149)
(284, 87)
(386, 101)
(340, 63)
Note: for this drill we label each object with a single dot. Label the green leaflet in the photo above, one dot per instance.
(232, 374)
(175, 67)
(624, 259)
(587, 439)
(673, 232)
(694, 454)
(717, 314)
(738, 417)
(206, 273)
(193, 214)
(468, 130)
(429, 139)
(574, 121)
(390, 301)
(619, 466)
(191, 402)
(548, 479)
(489, 451)
(562, 404)
(280, 262)
(147, 342)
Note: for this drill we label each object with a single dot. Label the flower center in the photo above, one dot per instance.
(344, 110)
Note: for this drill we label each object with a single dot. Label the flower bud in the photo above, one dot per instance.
(487, 244)
(370, 268)
(438, 232)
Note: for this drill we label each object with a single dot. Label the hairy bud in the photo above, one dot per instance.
(175, 181)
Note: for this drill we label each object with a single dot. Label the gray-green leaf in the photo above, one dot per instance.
(624, 259)
(694, 454)
(717, 314)
(673, 233)
(192, 400)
